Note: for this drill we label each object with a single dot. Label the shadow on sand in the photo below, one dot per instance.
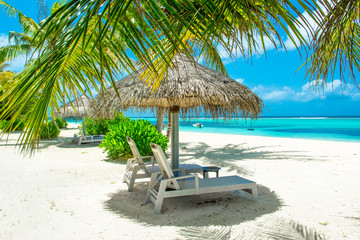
(230, 155)
(207, 209)
(60, 142)
(224, 208)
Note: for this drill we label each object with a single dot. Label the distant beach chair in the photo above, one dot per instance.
(83, 138)
(137, 169)
(166, 185)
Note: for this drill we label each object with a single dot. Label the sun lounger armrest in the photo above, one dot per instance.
(151, 158)
(130, 162)
(182, 170)
(184, 177)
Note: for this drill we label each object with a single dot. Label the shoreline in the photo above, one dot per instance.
(310, 139)
(76, 125)
(70, 192)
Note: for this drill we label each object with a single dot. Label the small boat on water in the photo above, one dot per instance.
(199, 125)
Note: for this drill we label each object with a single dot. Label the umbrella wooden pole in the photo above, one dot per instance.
(84, 125)
(174, 113)
(160, 113)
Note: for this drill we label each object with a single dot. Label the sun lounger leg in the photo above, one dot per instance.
(128, 164)
(153, 179)
(160, 198)
(132, 180)
(254, 193)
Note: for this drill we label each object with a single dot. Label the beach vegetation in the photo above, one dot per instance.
(49, 130)
(141, 131)
(336, 42)
(18, 124)
(85, 45)
(61, 123)
(82, 70)
(100, 125)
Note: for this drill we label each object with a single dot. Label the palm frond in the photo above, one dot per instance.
(274, 228)
(336, 44)
(10, 52)
(212, 233)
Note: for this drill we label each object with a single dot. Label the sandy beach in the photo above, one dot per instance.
(308, 189)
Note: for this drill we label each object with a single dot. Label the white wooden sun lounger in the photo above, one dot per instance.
(83, 138)
(137, 169)
(166, 185)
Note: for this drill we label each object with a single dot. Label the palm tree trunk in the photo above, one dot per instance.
(53, 115)
(168, 131)
(160, 114)
(64, 114)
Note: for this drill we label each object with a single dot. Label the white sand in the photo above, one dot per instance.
(70, 192)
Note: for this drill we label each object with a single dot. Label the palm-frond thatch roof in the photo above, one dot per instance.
(79, 107)
(192, 87)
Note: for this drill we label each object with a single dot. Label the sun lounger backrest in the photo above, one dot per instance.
(163, 163)
(135, 151)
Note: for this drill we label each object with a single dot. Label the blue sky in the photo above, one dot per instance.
(274, 77)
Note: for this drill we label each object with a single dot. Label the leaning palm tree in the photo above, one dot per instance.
(153, 32)
(79, 72)
(20, 43)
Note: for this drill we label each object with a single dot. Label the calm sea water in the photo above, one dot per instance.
(336, 129)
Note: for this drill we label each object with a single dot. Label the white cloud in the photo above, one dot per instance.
(240, 80)
(308, 25)
(18, 64)
(272, 93)
(238, 52)
(4, 40)
(304, 30)
(309, 91)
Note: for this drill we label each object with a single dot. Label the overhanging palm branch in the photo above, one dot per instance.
(75, 41)
(336, 45)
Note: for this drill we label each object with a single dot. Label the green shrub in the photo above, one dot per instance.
(100, 126)
(61, 123)
(19, 124)
(141, 131)
(49, 130)
(3, 124)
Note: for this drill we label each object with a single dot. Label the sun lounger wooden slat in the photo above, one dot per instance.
(136, 168)
(165, 185)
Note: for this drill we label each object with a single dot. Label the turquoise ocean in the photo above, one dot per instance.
(322, 128)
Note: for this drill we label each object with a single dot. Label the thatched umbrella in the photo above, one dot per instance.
(79, 107)
(189, 87)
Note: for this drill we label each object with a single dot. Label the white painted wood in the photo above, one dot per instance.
(136, 168)
(174, 139)
(191, 184)
(89, 138)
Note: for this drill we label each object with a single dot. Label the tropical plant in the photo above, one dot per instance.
(25, 42)
(91, 39)
(100, 125)
(19, 124)
(336, 43)
(5, 78)
(49, 130)
(61, 123)
(141, 131)
(78, 72)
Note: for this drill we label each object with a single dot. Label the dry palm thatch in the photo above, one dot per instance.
(79, 107)
(193, 88)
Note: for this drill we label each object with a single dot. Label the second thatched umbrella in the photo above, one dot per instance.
(189, 87)
(79, 107)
